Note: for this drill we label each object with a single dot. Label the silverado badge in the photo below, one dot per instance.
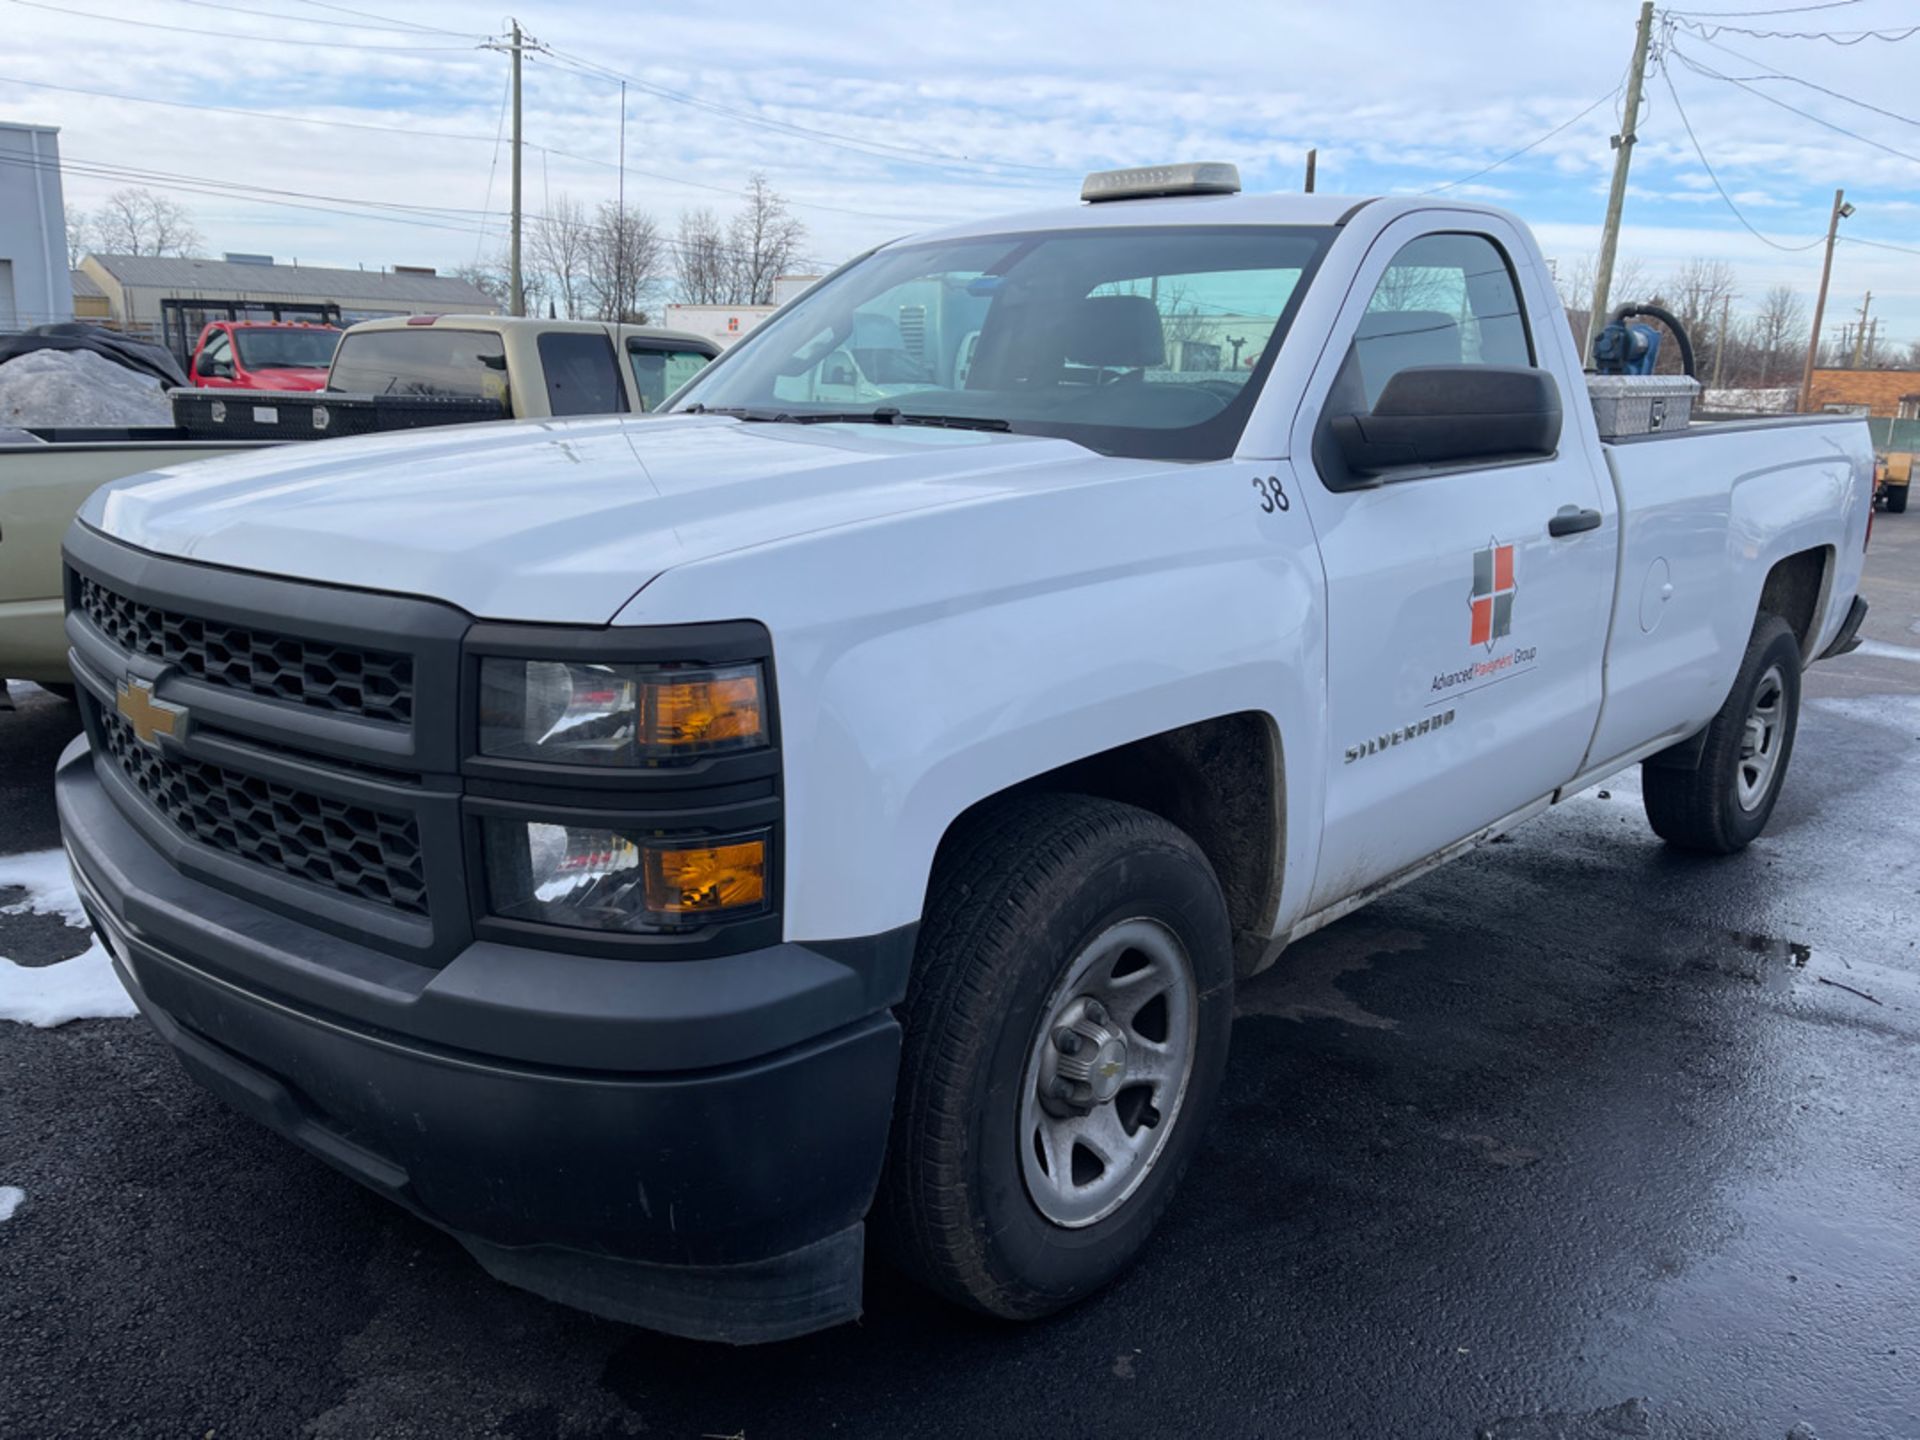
(150, 718)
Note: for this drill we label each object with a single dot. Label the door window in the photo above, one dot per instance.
(1445, 300)
(581, 376)
(218, 355)
(657, 372)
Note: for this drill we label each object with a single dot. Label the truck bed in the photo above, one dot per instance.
(1703, 523)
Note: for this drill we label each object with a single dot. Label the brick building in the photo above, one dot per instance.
(1884, 394)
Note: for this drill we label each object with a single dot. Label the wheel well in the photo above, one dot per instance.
(1793, 590)
(1220, 781)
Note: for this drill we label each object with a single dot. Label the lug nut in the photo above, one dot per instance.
(1095, 1013)
(1066, 1041)
(1062, 1088)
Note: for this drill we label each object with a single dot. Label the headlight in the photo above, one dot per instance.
(605, 879)
(571, 713)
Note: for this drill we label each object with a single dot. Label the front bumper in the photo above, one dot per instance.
(686, 1145)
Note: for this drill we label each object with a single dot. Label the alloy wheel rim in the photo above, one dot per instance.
(1761, 738)
(1107, 1072)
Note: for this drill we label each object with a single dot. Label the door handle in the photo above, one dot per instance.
(1571, 520)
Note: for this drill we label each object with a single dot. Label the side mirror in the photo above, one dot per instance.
(1451, 415)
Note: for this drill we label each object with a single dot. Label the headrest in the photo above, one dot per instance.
(1115, 332)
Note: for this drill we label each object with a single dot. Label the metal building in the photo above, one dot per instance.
(34, 288)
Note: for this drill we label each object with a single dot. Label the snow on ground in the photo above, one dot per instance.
(10, 1198)
(1888, 652)
(44, 875)
(83, 988)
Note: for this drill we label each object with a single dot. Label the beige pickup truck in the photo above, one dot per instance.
(534, 369)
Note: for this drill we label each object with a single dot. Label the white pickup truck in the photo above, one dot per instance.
(654, 848)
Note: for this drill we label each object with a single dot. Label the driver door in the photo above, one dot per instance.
(1464, 641)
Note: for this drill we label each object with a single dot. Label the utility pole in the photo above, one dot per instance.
(519, 296)
(1873, 341)
(1313, 157)
(1840, 210)
(1617, 197)
(1860, 335)
(1720, 350)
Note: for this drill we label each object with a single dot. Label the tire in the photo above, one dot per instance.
(1722, 804)
(1897, 499)
(1028, 895)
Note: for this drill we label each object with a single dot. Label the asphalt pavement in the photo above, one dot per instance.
(1575, 1139)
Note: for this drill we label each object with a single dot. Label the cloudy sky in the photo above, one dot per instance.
(879, 119)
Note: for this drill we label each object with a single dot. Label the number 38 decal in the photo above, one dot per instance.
(1273, 495)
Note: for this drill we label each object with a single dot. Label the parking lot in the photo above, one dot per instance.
(1575, 1138)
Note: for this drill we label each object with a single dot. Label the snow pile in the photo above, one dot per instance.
(78, 387)
(83, 988)
(1753, 400)
(10, 1198)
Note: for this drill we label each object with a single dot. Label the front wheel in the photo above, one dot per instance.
(1066, 1030)
(1723, 804)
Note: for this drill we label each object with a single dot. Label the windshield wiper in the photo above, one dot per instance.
(885, 415)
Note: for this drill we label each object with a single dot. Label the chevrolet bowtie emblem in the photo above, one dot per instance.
(149, 717)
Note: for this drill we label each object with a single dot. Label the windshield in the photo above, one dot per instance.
(286, 349)
(1147, 342)
(424, 360)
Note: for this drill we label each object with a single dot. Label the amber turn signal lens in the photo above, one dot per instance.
(706, 880)
(694, 711)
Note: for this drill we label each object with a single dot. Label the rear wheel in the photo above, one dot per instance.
(1897, 499)
(1723, 804)
(1066, 1029)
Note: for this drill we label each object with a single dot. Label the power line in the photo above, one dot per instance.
(228, 35)
(1832, 37)
(414, 133)
(873, 149)
(401, 29)
(1799, 80)
(1783, 10)
(368, 15)
(1702, 69)
(1530, 145)
(493, 168)
(1680, 110)
(1878, 245)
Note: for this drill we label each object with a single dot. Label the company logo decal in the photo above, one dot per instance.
(1489, 621)
(1491, 602)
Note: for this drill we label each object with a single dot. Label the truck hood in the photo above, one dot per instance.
(552, 520)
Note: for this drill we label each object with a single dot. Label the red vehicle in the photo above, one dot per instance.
(263, 355)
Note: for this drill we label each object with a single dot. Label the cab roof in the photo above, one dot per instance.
(1237, 209)
(508, 324)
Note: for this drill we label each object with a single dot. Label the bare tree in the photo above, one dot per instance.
(1699, 293)
(560, 243)
(1778, 331)
(79, 229)
(764, 239)
(492, 279)
(624, 262)
(702, 263)
(136, 221)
